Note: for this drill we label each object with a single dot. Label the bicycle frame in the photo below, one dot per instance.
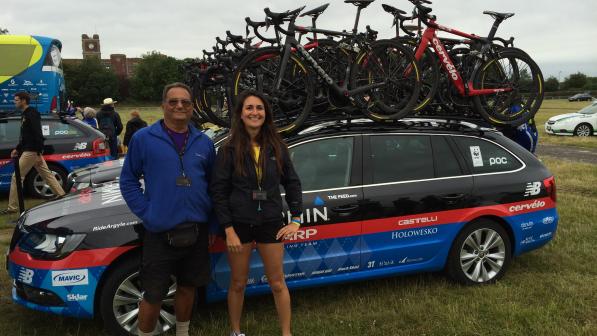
(429, 37)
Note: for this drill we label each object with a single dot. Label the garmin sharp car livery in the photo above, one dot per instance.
(379, 200)
(581, 123)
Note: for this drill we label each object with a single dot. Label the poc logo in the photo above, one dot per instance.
(26, 275)
(64, 132)
(498, 161)
(70, 278)
(533, 188)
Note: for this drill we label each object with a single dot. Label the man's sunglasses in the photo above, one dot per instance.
(174, 102)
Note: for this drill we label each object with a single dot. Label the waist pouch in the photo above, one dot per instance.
(183, 235)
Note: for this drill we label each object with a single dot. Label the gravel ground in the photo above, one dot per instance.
(568, 153)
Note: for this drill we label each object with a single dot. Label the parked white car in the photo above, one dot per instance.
(581, 123)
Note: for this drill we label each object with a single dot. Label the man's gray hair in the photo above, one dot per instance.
(176, 85)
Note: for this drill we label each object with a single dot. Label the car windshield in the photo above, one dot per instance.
(591, 109)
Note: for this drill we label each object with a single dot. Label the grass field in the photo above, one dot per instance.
(550, 291)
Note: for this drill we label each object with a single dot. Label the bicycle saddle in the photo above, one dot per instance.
(280, 17)
(315, 12)
(496, 15)
(392, 10)
(360, 3)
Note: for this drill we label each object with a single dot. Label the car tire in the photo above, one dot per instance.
(471, 261)
(120, 298)
(583, 130)
(38, 188)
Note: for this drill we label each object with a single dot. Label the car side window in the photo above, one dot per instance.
(485, 157)
(445, 161)
(9, 132)
(324, 164)
(397, 158)
(53, 129)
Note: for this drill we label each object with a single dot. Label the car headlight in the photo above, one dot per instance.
(50, 246)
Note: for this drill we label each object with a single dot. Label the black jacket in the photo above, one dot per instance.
(31, 138)
(133, 126)
(108, 121)
(232, 193)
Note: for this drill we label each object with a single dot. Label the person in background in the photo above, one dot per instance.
(526, 135)
(109, 123)
(30, 149)
(132, 126)
(89, 117)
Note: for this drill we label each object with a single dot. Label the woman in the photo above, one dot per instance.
(89, 117)
(245, 188)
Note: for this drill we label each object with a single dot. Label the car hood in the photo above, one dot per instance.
(99, 173)
(562, 117)
(83, 212)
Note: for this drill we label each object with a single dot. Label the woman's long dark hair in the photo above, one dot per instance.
(240, 141)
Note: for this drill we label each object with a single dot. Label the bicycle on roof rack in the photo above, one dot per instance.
(375, 81)
(504, 84)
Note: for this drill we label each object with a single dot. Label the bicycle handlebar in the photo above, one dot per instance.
(255, 26)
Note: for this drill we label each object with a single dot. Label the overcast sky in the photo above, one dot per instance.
(561, 35)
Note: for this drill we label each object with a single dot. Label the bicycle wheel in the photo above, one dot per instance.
(430, 73)
(216, 103)
(292, 103)
(393, 68)
(514, 70)
(334, 60)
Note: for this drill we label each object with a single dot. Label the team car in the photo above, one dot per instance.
(69, 144)
(379, 200)
(581, 123)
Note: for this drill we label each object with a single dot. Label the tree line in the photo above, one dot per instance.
(574, 82)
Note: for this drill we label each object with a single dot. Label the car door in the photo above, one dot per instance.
(412, 181)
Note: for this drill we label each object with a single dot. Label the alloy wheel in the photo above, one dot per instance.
(482, 255)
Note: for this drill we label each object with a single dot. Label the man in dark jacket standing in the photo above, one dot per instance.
(175, 161)
(109, 123)
(132, 126)
(30, 148)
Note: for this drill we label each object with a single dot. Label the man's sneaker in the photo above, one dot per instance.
(236, 334)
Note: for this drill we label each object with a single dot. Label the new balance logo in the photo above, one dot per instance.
(26, 275)
(533, 188)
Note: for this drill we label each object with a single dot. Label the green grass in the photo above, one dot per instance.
(550, 291)
(550, 108)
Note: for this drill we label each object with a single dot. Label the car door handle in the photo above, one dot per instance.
(344, 209)
(452, 198)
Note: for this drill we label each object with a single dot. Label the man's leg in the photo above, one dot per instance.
(114, 148)
(48, 176)
(148, 315)
(26, 162)
(183, 308)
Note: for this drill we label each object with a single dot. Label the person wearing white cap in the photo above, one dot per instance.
(109, 123)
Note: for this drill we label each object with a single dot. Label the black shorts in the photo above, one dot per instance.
(160, 261)
(264, 233)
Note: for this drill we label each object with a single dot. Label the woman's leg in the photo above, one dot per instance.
(239, 271)
(273, 258)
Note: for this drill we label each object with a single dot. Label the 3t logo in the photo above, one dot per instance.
(26, 275)
(533, 188)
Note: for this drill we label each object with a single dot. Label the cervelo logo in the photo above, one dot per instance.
(303, 234)
(70, 278)
(417, 220)
(527, 206)
(445, 59)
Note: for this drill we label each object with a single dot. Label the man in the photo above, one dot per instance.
(175, 161)
(30, 147)
(109, 123)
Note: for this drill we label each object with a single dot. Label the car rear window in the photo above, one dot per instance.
(483, 156)
(401, 158)
(9, 131)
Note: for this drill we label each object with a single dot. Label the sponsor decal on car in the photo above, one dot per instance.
(545, 235)
(414, 233)
(302, 234)
(532, 189)
(407, 260)
(498, 161)
(476, 156)
(70, 278)
(527, 240)
(548, 220)
(25, 275)
(537, 204)
(111, 194)
(526, 225)
(418, 220)
(76, 297)
(114, 226)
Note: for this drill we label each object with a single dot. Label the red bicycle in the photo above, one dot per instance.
(504, 84)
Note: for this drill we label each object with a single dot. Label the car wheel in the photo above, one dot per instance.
(120, 299)
(583, 130)
(480, 254)
(37, 187)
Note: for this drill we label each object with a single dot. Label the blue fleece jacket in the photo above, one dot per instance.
(153, 157)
